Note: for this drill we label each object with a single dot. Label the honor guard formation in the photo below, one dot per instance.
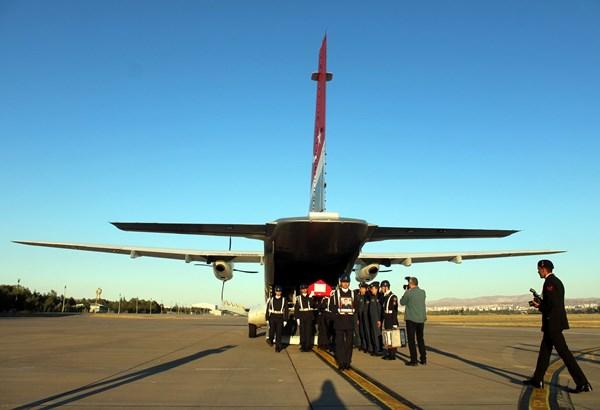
(365, 318)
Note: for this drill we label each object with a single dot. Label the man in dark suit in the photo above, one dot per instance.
(554, 321)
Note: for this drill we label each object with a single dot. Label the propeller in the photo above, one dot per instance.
(205, 264)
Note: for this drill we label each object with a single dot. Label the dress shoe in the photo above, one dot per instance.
(278, 349)
(411, 364)
(581, 388)
(423, 362)
(387, 357)
(269, 342)
(534, 383)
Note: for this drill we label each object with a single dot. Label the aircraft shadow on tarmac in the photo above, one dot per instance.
(328, 398)
(70, 396)
(515, 378)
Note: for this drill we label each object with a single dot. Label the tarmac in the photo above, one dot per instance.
(100, 361)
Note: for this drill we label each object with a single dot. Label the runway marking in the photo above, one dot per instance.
(299, 379)
(540, 399)
(367, 385)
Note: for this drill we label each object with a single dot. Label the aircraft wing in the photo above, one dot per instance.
(187, 255)
(408, 259)
(243, 230)
(382, 233)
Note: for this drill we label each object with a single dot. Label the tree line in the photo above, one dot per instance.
(21, 299)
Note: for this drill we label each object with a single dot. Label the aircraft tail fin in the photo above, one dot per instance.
(317, 189)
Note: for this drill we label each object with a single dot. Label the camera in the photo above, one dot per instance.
(405, 287)
(537, 299)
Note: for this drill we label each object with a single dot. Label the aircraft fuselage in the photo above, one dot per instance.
(303, 250)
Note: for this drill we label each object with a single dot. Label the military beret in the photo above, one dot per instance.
(303, 286)
(385, 283)
(363, 285)
(545, 263)
(344, 278)
(374, 284)
(278, 288)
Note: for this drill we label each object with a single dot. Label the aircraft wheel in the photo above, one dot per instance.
(251, 330)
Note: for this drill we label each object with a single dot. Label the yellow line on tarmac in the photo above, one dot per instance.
(540, 398)
(372, 389)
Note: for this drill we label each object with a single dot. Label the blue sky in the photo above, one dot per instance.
(463, 114)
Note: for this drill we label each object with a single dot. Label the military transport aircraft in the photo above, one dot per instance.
(321, 245)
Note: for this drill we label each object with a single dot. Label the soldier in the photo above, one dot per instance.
(343, 305)
(362, 307)
(389, 316)
(323, 324)
(304, 312)
(277, 316)
(554, 321)
(375, 311)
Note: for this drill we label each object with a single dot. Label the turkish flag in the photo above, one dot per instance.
(319, 288)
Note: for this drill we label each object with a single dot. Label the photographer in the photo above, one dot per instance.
(415, 317)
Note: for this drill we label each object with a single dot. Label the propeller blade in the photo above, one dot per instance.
(245, 271)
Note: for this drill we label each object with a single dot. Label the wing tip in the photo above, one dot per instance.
(118, 225)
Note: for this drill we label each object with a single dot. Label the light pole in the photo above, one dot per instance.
(64, 297)
(119, 311)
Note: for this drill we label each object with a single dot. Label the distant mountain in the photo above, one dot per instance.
(502, 300)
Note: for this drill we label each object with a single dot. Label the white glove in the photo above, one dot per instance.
(298, 322)
(284, 323)
(312, 293)
(395, 326)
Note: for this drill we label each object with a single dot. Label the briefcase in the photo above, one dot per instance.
(392, 338)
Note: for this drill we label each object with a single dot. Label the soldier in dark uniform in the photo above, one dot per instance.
(343, 305)
(277, 316)
(304, 312)
(356, 333)
(554, 321)
(362, 307)
(375, 312)
(323, 324)
(389, 315)
(329, 322)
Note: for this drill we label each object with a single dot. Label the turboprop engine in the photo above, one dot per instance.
(223, 270)
(366, 273)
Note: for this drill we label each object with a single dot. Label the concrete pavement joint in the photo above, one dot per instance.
(550, 397)
(370, 388)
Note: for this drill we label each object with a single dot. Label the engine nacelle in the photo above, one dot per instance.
(223, 270)
(366, 273)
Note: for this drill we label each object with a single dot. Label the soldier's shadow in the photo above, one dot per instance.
(328, 398)
(513, 377)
